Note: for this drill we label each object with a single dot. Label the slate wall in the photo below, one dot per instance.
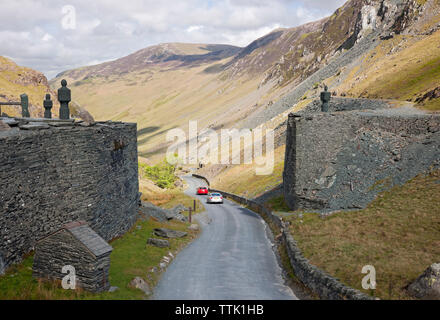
(62, 249)
(54, 176)
(342, 160)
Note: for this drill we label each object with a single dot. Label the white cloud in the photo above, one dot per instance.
(47, 37)
(193, 28)
(126, 28)
(246, 37)
(109, 29)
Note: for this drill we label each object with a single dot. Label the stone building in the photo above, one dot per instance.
(53, 172)
(77, 245)
(341, 160)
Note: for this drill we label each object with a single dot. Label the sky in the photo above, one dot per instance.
(52, 35)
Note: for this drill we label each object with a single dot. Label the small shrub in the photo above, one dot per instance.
(161, 174)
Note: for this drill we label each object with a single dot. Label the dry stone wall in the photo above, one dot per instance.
(55, 175)
(345, 104)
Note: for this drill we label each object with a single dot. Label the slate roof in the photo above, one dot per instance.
(89, 238)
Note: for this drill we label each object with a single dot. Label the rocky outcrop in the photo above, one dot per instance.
(20, 75)
(427, 286)
(176, 213)
(158, 243)
(194, 227)
(141, 284)
(432, 94)
(336, 43)
(150, 210)
(163, 215)
(18, 80)
(168, 233)
(79, 112)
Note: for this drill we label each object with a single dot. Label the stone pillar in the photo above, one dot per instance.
(290, 161)
(25, 106)
(325, 98)
(64, 99)
(48, 104)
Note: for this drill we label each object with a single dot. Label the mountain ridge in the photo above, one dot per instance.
(164, 54)
(251, 85)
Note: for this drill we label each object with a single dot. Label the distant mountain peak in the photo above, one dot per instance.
(164, 54)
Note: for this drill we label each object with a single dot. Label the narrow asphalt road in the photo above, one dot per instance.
(232, 259)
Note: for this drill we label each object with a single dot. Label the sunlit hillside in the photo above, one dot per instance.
(16, 80)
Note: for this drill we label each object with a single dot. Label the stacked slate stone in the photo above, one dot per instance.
(356, 155)
(77, 245)
(66, 172)
(150, 210)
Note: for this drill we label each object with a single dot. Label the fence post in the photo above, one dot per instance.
(64, 99)
(25, 106)
(47, 104)
(189, 216)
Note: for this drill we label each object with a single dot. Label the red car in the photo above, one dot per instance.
(202, 190)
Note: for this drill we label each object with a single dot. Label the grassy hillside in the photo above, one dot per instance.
(242, 180)
(160, 99)
(398, 233)
(165, 86)
(404, 67)
(15, 80)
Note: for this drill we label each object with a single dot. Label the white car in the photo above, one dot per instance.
(214, 197)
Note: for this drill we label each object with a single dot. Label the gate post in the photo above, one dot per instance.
(47, 104)
(25, 106)
(64, 99)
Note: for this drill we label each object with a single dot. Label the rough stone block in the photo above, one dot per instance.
(168, 233)
(158, 243)
(140, 284)
(427, 285)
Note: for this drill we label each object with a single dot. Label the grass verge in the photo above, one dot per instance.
(300, 290)
(171, 198)
(398, 233)
(277, 204)
(130, 258)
